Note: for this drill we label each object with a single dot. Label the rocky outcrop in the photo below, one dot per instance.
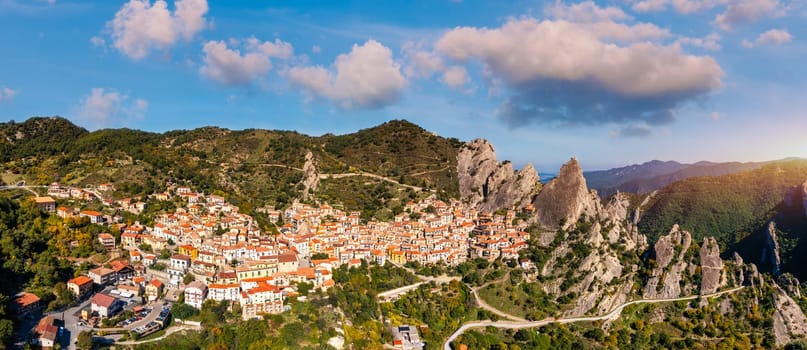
(565, 199)
(489, 185)
(770, 250)
(788, 320)
(804, 197)
(711, 266)
(669, 252)
(797, 196)
(310, 179)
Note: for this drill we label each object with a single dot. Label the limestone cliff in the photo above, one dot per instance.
(711, 266)
(770, 250)
(566, 198)
(788, 320)
(489, 185)
(310, 178)
(669, 252)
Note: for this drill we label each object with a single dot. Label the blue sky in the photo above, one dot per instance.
(612, 82)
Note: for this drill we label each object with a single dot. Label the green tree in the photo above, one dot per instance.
(85, 341)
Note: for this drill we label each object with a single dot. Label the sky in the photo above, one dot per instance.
(610, 82)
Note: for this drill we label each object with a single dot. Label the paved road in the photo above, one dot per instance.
(27, 188)
(71, 326)
(156, 307)
(611, 315)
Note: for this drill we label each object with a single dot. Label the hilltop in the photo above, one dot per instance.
(253, 167)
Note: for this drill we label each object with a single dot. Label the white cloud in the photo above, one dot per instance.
(277, 49)
(228, 66)
(365, 78)
(140, 26)
(746, 11)
(420, 63)
(562, 72)
(316, 49)
(102, 108)
(715, 116)
(455, 77)
(650, 6)
(606, 23)
(710, 42)
(586, 12)
(771, 37)
(7, 94)
(774, 37)
(694, 6)
(97, 41)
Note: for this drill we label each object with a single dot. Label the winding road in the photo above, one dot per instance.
(167, 333)
(533, 324)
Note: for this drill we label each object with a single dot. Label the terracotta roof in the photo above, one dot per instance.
(25, 299)
(103, 300)
(80, 280)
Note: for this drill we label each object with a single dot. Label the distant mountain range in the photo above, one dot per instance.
(655, 174)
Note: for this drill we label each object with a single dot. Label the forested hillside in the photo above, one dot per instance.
(252, 167)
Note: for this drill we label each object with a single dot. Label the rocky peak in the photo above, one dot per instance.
(566, 198)
(489, 185)
(310, 175)
(669, 252)
(711, 266)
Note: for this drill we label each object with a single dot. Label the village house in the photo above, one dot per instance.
(103, 276)
(105, 305)
(195, 294)
(25, 304)
(107, 240)
(47, 204)
(154, 289)
(45, 333)
(80, 286)
(94, 216)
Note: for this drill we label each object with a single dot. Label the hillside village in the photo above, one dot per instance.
(208, 250)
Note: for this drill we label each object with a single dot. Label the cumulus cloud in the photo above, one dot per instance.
(105, 107)
(228, 66)
(771, 37)
(316, 49)
(563, 73)
(746, 11)
(455, 77)
(606, 23)
(97, 41)
(586, 11)
(7, 94)
(365, 78)
(635, 130)
(140, 26)
(420, 63)
(710, 42)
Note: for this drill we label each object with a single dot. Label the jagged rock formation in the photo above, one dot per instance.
(788, 319)
(669, 252)
(711, 266)
(770, 251)
(566, 198)
(310, 179)
(489, 185)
